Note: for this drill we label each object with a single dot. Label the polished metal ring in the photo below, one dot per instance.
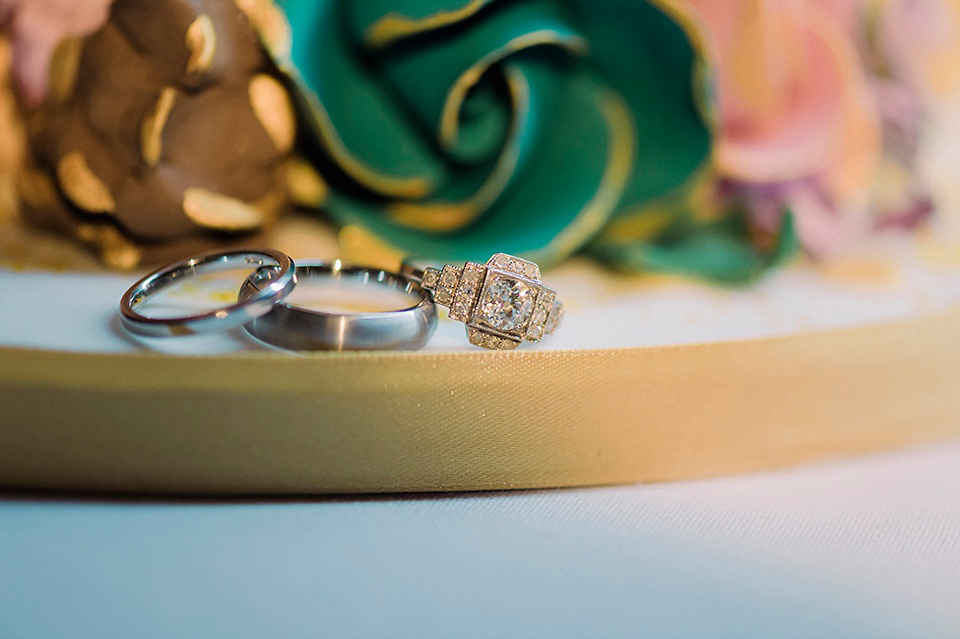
(502, 302)
(282, 281)
(301, 329)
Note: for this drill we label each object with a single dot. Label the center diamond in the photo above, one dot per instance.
(506, 304)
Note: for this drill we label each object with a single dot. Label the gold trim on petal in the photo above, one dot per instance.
(645, 224)
(214, 210)
(36, 189)
(305, 185)
(620, 156)
(63, 68)
(114, 249)
(448, 131)
(449, 216)
(417, 187)
(271, 25)
(700, 82)
(82, 186)
(395, 26)
(272, 107)
(646, 221)
(201, 42)
(151, 129)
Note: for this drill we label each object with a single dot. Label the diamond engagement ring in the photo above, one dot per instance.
(502, 302)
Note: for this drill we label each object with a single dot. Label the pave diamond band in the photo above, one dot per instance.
(502, 302)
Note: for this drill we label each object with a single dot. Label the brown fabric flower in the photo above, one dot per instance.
(165, 131)
(11, 137)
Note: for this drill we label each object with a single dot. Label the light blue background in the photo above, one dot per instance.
(540, 564)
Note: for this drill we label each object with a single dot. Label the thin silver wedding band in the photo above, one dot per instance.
(300, 329)
(260, 302)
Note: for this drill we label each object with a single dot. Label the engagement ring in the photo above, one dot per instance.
(502, 302)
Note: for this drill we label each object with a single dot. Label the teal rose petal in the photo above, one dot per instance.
(455, 208)
(368, 136)
(532, 124)
(639, 51)
(386, 22)
(570, 188)
(434, 80)
(564, 195)
(483, 123)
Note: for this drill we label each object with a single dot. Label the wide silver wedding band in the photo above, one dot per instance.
(301, 329)
(279, 284)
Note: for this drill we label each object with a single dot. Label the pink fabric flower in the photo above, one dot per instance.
(37, 27)
(796, 110)
(920, 43)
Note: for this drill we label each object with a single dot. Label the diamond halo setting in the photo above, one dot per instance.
(502, 302)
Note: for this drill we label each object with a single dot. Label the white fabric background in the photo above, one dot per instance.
(893, 278)
(860, 548)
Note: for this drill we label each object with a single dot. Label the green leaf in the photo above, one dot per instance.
(719, 252)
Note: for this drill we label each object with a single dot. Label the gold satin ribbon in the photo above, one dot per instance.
(390, 422)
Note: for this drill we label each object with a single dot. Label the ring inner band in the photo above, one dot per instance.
(193, 269)
(217, 319)
(295, 327)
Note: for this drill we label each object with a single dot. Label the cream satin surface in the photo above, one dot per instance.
(270, 424)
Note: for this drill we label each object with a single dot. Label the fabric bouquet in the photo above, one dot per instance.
(708, 137)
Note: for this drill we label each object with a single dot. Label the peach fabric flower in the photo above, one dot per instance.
(920, 42)
(37, 27)
(917, 45)
(796, 110)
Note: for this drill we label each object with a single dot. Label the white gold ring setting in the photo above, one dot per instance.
(503, 302)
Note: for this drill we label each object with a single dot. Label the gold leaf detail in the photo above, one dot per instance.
(82, 186)
(304, 184)
(201, 42)
(271, 105)
(116, 251)
(271, 25)
(151, 129)
(272, 203)
(36, 189)
(63, 68)
(213, 210)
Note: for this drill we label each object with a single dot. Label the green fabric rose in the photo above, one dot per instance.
(454, 130)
